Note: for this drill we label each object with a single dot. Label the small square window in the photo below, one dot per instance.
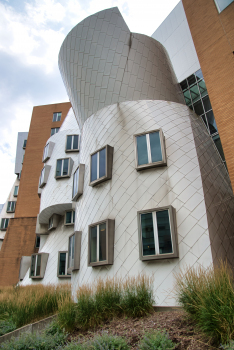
(57, 116)
(37, 241)
(158, 234)
(63, 168)
(150, 150)
(47, 151)
(38, 265)
(11, 207)
(53, 221)
(16, 190)
(74, 246)
(69, 218)
(54, 131)
(24, 144)
(101, 163)
(78, 182)
(62, 265)
(4, 224)
(44, 176)
(101, 243)
(72, 143)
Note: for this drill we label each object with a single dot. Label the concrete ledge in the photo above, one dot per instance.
(167, 308)
(29, 328)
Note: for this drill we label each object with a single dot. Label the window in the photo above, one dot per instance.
(53, 221)
(25, 143)
(54, 131)
(72, 143)
(57, 116)
(37, 242)
(4, 224)
(16, 190)
(38, 265)
(62, 265)
(23, 159)
(101, 243)
(222, 4)
(101, 165)
(44, 176)
(78, 182)
(74, 245)
(63, 168)
(150, 150)
(47, 151)
(69, 218)
(11, 207)
(157, 234)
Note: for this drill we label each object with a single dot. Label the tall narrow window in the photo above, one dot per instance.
(150, 149)
(4, 224)
(69, 217)
(78, 182)
(157, 234)
(101, 165)
(16, 190)
(62, 265)
(63, 167)
(44, 175)
(72, 143)
(74, 246)
(37, 241)
(47, 151)
(25, 143)
(38, 265)
(11, 207)
(57, 116)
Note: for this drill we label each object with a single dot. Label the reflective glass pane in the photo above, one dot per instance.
(71, 251)
(211, 122)
(191, 79)
(54, 117)
(46, 150)
(147, 230)
(2, 223)
(65, 166)
(102, 242)
(38, 271)
(62, 264)
(75, 142)
(59, 167)
(195, 93)
(187, 97)
(6, 222)
(218, 144)
(102, 163)
(69, 142)
(204, 120)
(142, 150)
(16, 191)
(37, 242)
(68, 217)
(222, 4)
(73, 216)
(94, 167)
(202, 87)
(198, 107)
(93, 244)
(52, 132)
(199, 74)
(184, 85)
(9, 206)
(164, 232)
(155, 146)
(75, 183)
(33, 260)
(59, 116)
(206, 102)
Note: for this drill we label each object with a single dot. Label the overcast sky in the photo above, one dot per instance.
(31, 33)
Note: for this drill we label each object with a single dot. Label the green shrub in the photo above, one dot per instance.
(107, 342)
(156, 340)
(208, 296)
(229, 346)
(7, 326)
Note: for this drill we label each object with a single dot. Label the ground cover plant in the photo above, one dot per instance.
(6, 324)
(100, 342)
(26, 304)
(104, 300)
(208, 296)
(156, 340)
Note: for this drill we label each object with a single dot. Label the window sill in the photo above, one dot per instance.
(99, 263)
(69, 224)
(151, 165)
(160, 257)
(98, 181)
(71, 150)
(36, 277)
(8, 211)
(62, 177)
(3, 229)
(64, 276)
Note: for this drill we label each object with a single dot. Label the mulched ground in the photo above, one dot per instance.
(181, 329)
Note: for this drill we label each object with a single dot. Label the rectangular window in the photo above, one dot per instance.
(72, 143)
(16, 190)
(37, 242)
(101, 163)
(54, 131)
(222, 4)
(25, 143)
(44, 176)
(4, 224)
(62, 265)
(47, 151)
(38, 265)
(57, 116)
(53, 221)
(11, 207)
(78, 182)
(157, 234)
(63, 168)
(150, 149)
(101, 243)
(69, 217)
(74, 246)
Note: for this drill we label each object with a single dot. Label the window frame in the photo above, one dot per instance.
(3, 227)
(77, 249)
(16, 195)
(163, 162)
(45, 171)
(56, 115)
(66, 266)
(53, 222)
(73, 217)
(80, 186)
(12, 210)
(50, 146)
(25, 143)
(44, 259)
(173, 231)
(55, 131)
(108, 165)
(70, 166)
(110, 239)
(72, 150)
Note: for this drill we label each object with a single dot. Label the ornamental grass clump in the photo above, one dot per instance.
(156, 340)
(208, 296)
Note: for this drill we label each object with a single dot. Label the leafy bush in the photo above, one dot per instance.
(6, 326)
(156, 340)
(208, 296)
